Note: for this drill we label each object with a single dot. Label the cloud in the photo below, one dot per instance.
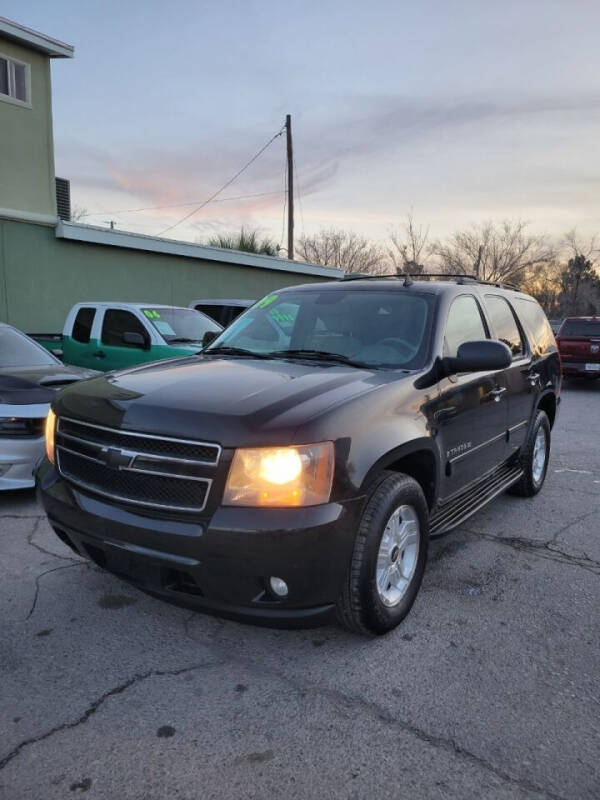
(336, 144)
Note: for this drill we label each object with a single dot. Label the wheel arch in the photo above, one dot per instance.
(418, 459)
(547, 403)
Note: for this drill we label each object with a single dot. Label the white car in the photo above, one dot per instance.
(29, 377)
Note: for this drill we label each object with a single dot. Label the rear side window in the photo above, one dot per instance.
(537, 326)
(82, 327)
(116, 323)
(464, 324)
(504, 324)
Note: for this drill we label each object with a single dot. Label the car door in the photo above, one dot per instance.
(522, 380)
(471, 414)
(113, 352)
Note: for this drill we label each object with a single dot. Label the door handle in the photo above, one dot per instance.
(497, 393)
(99, 354)
(444, 413)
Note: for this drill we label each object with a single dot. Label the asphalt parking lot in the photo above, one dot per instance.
(490, 689)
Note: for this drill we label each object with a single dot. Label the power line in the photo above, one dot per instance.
(179, 205)
(225, 185)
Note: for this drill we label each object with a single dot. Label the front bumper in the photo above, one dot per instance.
(221, 564)
(18, 460)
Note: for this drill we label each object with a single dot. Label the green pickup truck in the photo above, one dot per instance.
(107, 336)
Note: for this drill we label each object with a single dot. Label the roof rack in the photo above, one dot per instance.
(420, 276)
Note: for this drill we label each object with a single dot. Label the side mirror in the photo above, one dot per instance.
(135, 339)
(478, 357)
(209, 337)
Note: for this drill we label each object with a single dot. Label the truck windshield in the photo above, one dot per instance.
(372, 328)
(580, 327)
(17, 350)
(180, 325)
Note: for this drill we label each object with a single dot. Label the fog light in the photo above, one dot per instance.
(278, 586)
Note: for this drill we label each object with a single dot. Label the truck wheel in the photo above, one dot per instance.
(389, 557)
(534, 458)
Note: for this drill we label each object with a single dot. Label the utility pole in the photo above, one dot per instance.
(290, 182)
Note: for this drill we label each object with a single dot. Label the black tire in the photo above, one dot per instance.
(360, 607)
(527, 486)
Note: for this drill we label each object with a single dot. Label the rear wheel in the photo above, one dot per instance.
(389, 557)
(534, 458)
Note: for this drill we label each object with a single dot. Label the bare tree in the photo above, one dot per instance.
(495, 252)
(408, 246)
(343, 249)
(576, 246)
(78, 213)
(546, 285)
(580, 281)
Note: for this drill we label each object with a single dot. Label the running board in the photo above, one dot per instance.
(470, 500)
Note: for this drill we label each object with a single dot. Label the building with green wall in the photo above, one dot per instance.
(48, 264)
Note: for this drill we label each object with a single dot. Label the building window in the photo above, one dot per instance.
(14, 80)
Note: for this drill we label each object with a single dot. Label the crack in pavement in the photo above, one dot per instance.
(376, 712)
(565, 528)
(336, 697)
(91, 710)
(47, 572)
(43, 549)
(544, 548)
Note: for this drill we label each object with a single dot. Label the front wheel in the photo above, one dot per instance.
(534, 459)
(389, 557)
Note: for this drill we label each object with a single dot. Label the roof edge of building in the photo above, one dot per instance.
(137, 241)
(34, 39)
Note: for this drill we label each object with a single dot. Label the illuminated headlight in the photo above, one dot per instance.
(50, 431)
(280, 476)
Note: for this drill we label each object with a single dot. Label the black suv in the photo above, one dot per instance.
(297, 467)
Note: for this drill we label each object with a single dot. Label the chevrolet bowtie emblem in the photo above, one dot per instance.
(115, 458)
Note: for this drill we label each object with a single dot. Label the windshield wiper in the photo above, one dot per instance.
(319, 355)
(184, 340)
(225, 350)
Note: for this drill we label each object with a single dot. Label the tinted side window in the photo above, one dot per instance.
(214, 312)
(537, 326)
(504, 324)
(464, 324)
(116, 323)
(82, 327)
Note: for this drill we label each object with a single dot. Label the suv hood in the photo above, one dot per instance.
(233, 401)
(32, 385)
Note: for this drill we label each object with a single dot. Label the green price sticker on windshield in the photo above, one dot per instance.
(266, 301)
(151, 313)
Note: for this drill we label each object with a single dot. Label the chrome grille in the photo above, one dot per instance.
(142, 469)
(142, 442)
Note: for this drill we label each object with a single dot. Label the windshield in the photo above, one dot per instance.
(371, 328)
(17, 350)
(580, 327)
(180, 324)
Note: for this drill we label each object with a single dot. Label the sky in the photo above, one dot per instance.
(460, 112)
